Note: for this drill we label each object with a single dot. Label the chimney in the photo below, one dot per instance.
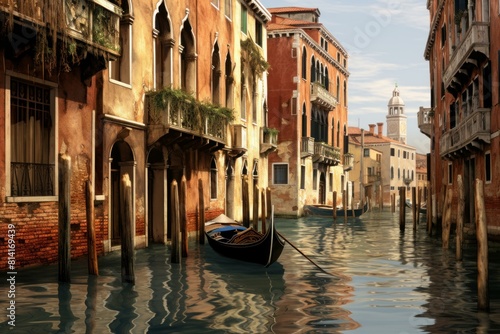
(372, 128)
(380, 129)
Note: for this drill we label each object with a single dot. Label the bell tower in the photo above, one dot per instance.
(396, 118)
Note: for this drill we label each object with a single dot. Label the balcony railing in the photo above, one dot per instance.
(31, 179)
(425, 121)
(321, 96)
(306, 147)
(476, 41)
(187, 118)
(94, 22)
(326, 154)
(473, 131)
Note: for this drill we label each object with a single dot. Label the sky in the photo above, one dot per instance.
(385, 40)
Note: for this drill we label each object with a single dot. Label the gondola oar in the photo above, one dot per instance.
(304, 255)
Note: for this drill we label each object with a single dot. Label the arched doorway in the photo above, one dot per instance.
(121, 162)
(322, 188)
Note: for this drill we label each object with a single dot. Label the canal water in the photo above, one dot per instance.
(379, 280)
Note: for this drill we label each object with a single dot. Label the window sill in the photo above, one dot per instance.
(23, 199)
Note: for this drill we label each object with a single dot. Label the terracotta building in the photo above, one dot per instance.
(462, 50)
(307, 104)
(159, 90)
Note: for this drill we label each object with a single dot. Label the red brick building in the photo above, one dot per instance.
(463, 122)
(308, 105)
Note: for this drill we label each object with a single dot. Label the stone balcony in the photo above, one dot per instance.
(472, 48)
(322, 97)
(425, 121)
(185, 124)
(468, 135)
(269, 142)
(326, 154)
(95, 23)
(306, 147)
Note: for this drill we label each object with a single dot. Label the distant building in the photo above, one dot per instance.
(397, 159)
(307, 89)
(462, 123)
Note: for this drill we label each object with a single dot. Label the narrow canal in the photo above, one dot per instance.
(382, 281)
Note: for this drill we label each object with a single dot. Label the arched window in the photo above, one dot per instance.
(216, 73)
(313, 69)
(164, 44)
(392, 172)
(188, 58)
(304, 63)
(338, 89)
(120, 69)
(228, 68)
(304, 121)
(345, 93)
(327, 81)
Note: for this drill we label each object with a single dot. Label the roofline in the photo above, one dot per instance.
(259, 8)
(433, 29)
(302, 34)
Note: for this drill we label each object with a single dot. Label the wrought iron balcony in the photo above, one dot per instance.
(307, 147)
(425, 121)
(473, 47)
(186, 117)
(322, 97)
(93, 22)
(467, 135)
(348, 161)
(324, 153)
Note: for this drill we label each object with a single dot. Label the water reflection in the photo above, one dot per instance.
(383, 281)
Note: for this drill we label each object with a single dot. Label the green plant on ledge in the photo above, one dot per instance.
(252, 55)
(271, 131)
(180, 100)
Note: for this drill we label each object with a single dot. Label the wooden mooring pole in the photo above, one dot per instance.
(269, 203)
(201, 213)
(183, 216)
(64, 244)
(414, 206)
(460, 218)
(446, 222)
(344, 204)
(175, 255)
(263, 210)
(402, 208)
(246, 202)
(127, 232)
(334, 205)
(255, 208)
(91, 240)
(483, 302)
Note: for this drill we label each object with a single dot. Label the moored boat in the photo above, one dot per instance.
(327, 211)
(231, 239)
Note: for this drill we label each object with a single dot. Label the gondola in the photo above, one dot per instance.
(327, 211)
(231, 239)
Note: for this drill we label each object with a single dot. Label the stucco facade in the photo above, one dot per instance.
(307, 88)
(103, 111)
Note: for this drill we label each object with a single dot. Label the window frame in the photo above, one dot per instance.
(8, 140)
(280, 164)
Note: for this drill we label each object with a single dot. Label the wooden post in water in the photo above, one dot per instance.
(460, 217)
(344, 204)
(269, 205)
(183, 216)
(381, 197)
(402, 207)
(419, 204)
(255, 207)
(429, 207)
(91, 243)
(201, 213)
(446, 222)
(127, 233)
(246, 202)
(483, 302)
(175, 256)
(334, 206)
(263, 210)
(393, 203)
(64, 250)
(414, 206)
